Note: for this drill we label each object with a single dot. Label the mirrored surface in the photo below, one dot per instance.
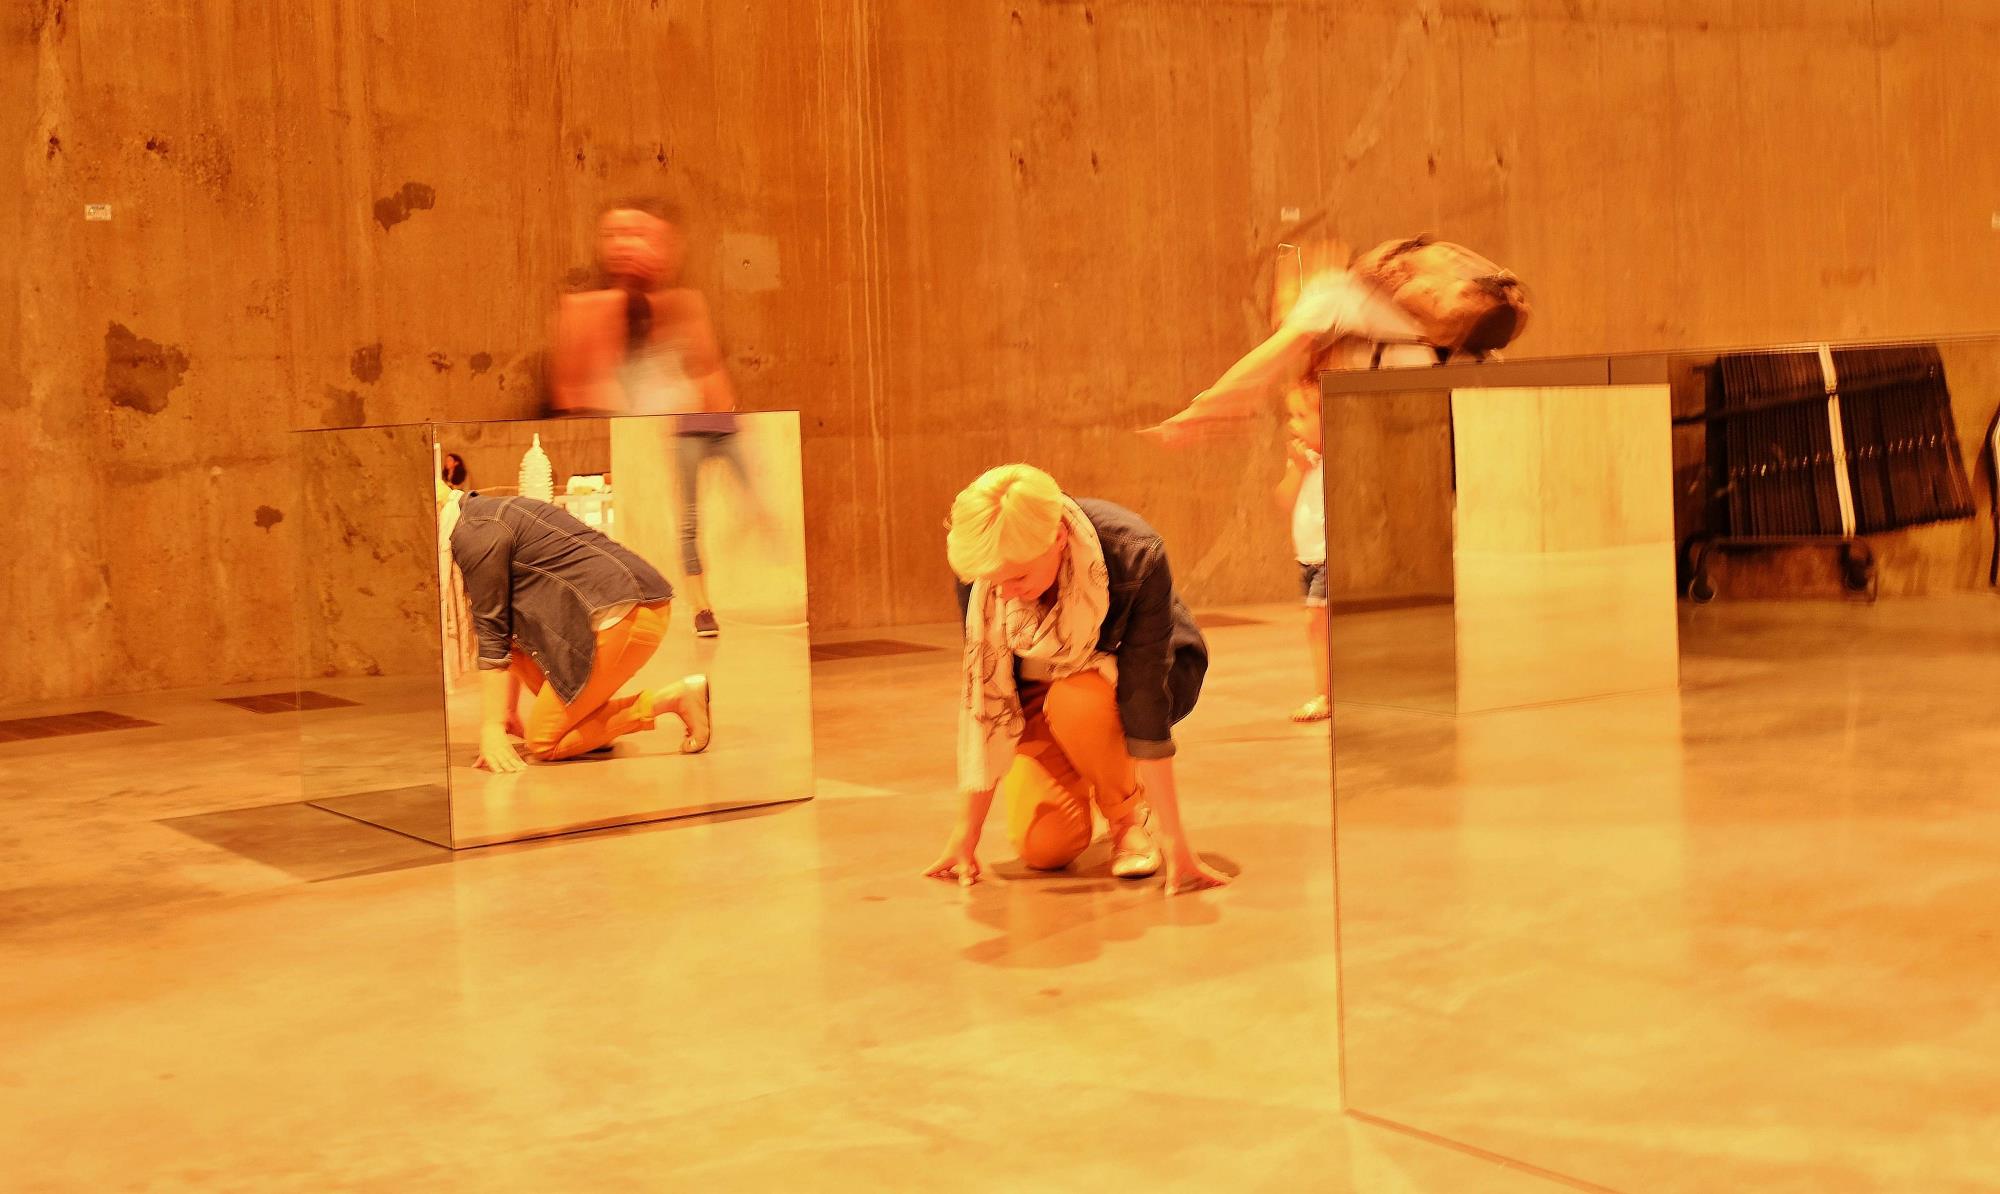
(1714, 934)
(713, 507)
(1499, 546)
(367, 618)
(636, 479)
(1389, 509)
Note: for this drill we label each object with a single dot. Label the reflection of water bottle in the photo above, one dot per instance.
(538, 477)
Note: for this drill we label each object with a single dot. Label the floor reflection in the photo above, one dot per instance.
(761, 751)
(1614, 937)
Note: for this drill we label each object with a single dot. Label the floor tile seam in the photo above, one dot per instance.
(1499, 1160)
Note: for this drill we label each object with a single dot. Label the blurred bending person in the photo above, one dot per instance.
(1405, 303)
(571, 615)
(639, 342)
(1079, 658)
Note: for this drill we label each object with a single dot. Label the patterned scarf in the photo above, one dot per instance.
(1062, 635)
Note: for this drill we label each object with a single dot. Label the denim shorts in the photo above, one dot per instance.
(1312, 579)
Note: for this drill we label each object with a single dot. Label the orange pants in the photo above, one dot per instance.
(1072, 751)
(597, 715)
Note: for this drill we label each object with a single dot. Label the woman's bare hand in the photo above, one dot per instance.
(1187, 872)
(959, 861)
(496, 752)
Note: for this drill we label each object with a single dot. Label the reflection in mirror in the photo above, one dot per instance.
(1592, 918)
(1388, 480)
(580, 695)
(1563, 544)
(366, 610)
(553, 550)
(1501, 546)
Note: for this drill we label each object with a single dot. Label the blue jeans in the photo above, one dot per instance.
(691, 450)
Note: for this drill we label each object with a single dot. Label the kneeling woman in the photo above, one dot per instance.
(571, 614)
(1079, 657)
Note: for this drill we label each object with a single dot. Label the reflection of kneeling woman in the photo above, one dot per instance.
(572, 614)
(1079, 657)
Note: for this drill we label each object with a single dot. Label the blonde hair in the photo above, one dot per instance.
(1010, 515)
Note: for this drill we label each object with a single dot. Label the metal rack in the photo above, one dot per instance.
(1824, 447)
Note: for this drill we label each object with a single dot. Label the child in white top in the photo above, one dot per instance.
(1303, 492)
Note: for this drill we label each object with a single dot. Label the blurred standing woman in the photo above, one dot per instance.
(641, 343)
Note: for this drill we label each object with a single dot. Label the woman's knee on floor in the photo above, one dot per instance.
(545, 729)
(1048, 808)
(1054, 838)
(1082, 713)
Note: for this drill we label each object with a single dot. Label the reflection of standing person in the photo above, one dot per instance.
(700, 439)
(1079, 658)
(571, 614)
(639, 343)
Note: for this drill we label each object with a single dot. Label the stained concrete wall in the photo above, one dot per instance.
(951, 234)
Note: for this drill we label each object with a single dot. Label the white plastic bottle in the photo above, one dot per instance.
(538, 477)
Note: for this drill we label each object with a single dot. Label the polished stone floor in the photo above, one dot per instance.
(1738, 937)
(1784, 873)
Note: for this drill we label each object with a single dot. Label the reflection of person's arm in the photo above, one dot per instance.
(496, 701)
(484, 551)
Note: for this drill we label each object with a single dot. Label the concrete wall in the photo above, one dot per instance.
(951, 234)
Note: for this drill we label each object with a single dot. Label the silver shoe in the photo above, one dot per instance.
(695, 714)
(1141, 861)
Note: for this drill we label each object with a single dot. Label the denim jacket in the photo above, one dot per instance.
(1162, 657)
(536, 576)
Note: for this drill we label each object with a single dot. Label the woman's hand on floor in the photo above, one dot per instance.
(496, 752)
(1187, 872)
(959, 861)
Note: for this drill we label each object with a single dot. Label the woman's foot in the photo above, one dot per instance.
(694, 712)
(704, 624)
(1135, 854)
(1316, 709)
